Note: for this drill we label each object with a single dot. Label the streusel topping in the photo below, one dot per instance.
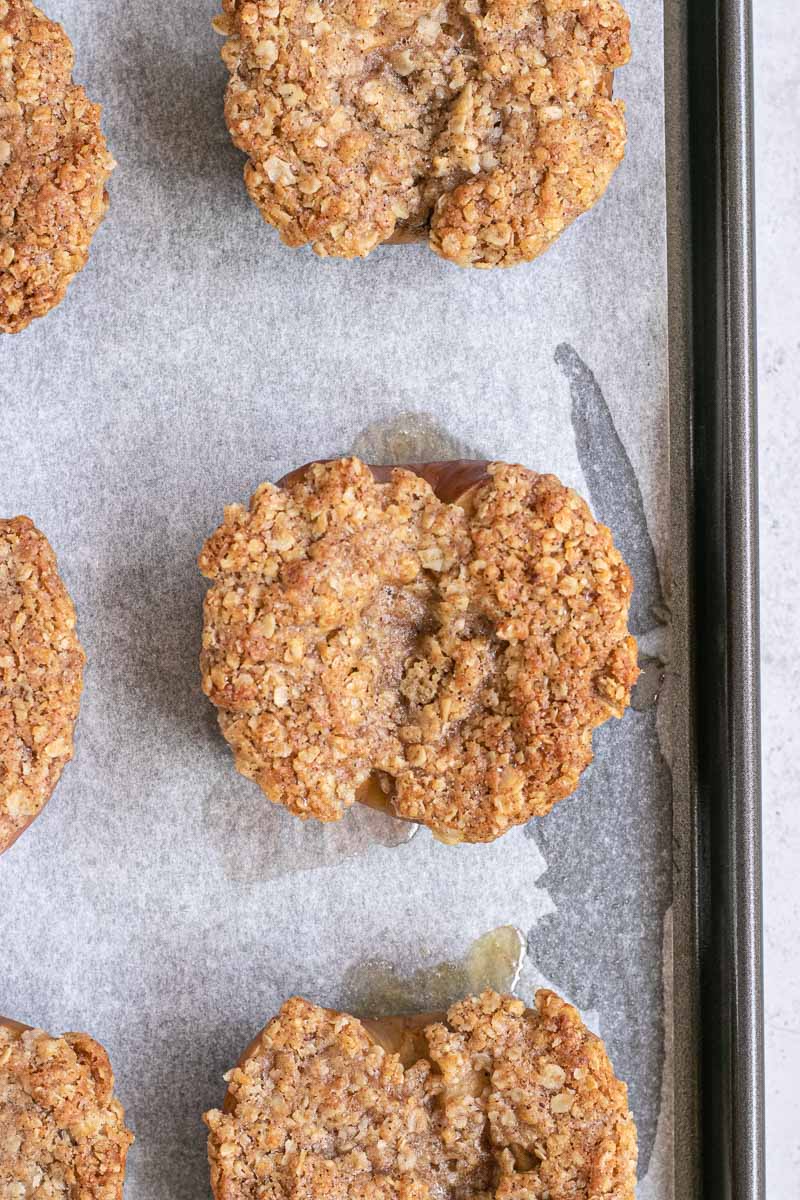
(62, 1133)
(507, 1103)
(485, 126)
(54, 165)
(357, 627)
(41, 675)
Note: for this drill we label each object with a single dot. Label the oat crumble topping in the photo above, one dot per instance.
(62, 1134)
(483, 126)
(507, 1103)
(41, 674)
(54, 165)
(358, 630)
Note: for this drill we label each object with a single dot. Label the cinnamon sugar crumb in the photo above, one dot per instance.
(356, 627)
(62, 1133)
(507, 1103)
(41, 675)
(484, 126)
(54, 166)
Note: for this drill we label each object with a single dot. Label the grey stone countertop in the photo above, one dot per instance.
(778, 231)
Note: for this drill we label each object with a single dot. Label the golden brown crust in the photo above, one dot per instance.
(54, 165)
(41, 676)
(62, 1133)
(485, 128)
(507, 1103)
(355, 627)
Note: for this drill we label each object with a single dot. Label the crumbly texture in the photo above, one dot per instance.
(62, 1133)
(54, 165)
(507, 1104)
(465, 656)
(41, 675)
(485, 126)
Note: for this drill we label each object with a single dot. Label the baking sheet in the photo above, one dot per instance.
(158, 902)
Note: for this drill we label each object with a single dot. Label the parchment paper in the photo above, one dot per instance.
(160, 903)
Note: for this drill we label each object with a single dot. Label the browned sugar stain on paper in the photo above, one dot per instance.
(377, 988)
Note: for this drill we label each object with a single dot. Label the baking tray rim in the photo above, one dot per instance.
(712, 262)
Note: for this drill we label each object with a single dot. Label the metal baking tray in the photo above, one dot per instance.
(712, 325)
(104, 376)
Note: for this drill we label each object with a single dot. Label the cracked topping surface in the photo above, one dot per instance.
(464, 654)
(54, 165)
(507, 1103)
(41, 674)
(484, 126)
(62, 1133)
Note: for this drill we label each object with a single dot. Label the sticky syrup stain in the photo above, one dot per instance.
(408, 438)
(376, 988)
